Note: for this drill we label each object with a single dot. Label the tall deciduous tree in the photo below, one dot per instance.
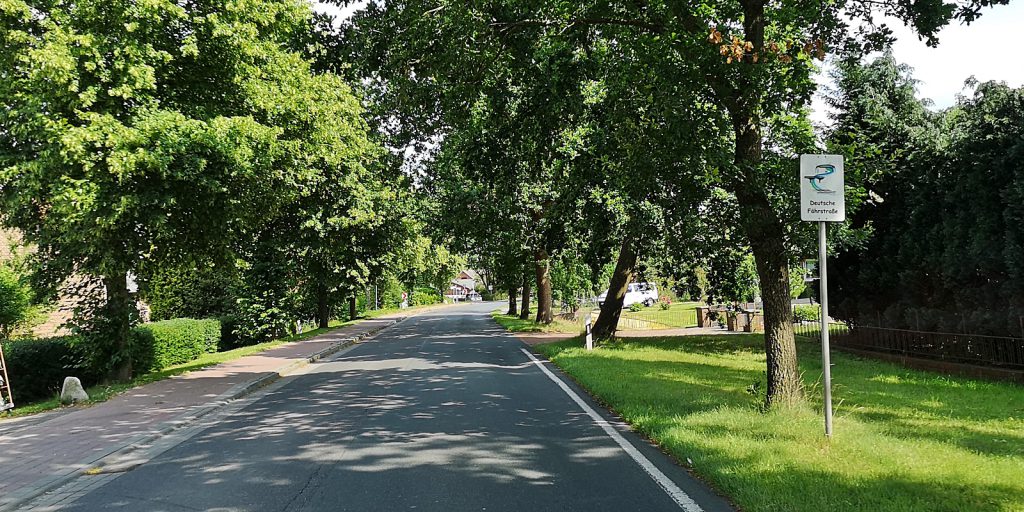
(134, 134)
(755, 58)
(748, 61)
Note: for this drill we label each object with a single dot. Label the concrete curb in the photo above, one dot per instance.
(118, 459)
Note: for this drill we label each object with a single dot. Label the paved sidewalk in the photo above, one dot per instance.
(39, 454)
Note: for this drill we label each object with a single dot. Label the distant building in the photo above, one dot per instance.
(57, 314)
(463, 287)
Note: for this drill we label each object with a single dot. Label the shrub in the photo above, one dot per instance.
(665, 303)
(161, 344)
(636, 306)
(390, 292)
(806, 313)
(424, 296)
(37, 367)
(228, 337)
(202, 291)
(264, 317)
(15, 300)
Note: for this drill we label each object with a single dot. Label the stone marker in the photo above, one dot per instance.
(72, 391)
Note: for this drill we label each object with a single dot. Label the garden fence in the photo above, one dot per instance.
(965, 348)
(657, 317)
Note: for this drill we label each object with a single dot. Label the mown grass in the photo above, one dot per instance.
(104, 392)
(678, 315)
(516, 324)
(904, 440)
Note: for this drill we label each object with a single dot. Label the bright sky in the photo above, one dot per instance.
(983, 49)
(988, 49)
(338, 12)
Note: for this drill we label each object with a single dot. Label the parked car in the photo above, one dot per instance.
(474, 297)
(643, 293)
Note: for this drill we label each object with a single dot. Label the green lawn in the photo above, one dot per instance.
(515, 324)
(813, 331)
(679, 314)
(904, 440)
(104, 392)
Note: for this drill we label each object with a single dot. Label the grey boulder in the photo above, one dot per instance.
(72, 391)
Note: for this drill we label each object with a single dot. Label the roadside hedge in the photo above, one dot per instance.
(424, 297)
(166, 343)
(37, 367)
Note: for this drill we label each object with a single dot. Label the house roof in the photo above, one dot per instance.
(465, 283)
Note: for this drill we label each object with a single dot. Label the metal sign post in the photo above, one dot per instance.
(822, 200)
(826, 359)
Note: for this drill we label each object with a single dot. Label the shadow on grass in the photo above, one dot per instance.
(516, 324)
(707, 345)
(906, 440)
(981, 416)
(781, 486)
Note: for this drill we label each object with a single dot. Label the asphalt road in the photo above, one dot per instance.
(444, 412)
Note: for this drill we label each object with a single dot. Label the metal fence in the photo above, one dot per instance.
(812, 329)
(954, 347)
(996, 351)
(677, 315)
(978, 349)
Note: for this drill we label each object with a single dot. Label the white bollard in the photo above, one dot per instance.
(590, 335)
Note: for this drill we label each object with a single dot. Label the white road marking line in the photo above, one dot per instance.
(681, 498)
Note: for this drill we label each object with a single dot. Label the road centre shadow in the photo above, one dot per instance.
(404, 417)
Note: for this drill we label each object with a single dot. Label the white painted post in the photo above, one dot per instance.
(590, 335)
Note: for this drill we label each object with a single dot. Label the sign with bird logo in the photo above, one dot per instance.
(822, 193)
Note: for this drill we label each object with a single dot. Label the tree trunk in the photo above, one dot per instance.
(524, 310)
(764, 229)
(352, 307)
(543, 270)
(119, 321)
(765, 232)
(323, 307)
(512, 309)
(608, 320)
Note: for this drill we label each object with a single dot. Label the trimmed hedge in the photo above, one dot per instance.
(166, 343)
(424, 297)
(37, 367)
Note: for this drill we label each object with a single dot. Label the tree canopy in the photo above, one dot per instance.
(140, 135)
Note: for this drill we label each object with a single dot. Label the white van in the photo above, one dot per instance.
(643, 293)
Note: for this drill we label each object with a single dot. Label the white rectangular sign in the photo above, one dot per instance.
(822, 192)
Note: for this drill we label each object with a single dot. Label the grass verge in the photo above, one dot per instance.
(376, 313)
(104, 392)
(678, 315)
(516, 324)
(905, 440)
